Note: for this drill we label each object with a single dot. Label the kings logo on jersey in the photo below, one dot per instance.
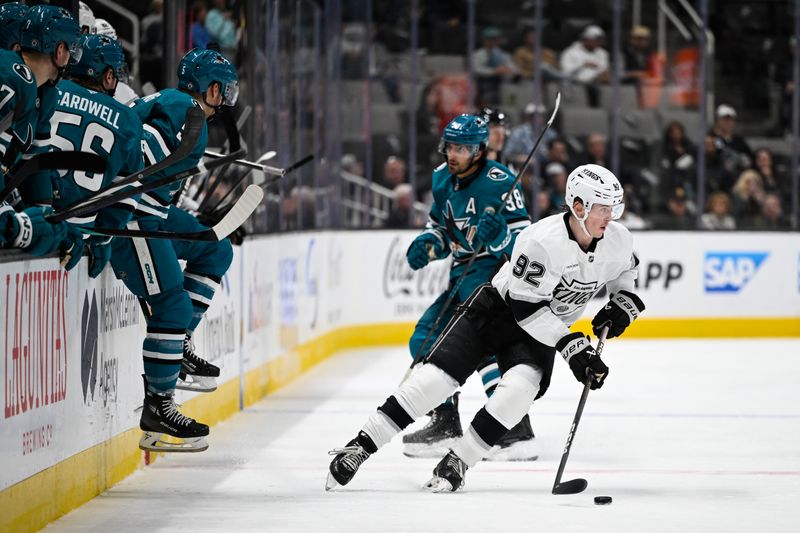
(730, 271)
(570, 295)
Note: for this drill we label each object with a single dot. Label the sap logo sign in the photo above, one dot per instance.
(731, 271)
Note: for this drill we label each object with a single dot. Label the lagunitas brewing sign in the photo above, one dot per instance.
(35, 351)
(411, 291)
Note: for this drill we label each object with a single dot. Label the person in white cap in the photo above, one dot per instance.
(585, 60)
(124, 93)
(736, 153)
(521, 139)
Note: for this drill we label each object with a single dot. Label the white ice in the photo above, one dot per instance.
(685, 436)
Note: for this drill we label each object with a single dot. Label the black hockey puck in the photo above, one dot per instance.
(602, 500)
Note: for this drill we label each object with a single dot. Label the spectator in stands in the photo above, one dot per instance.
(394, 172)
(771, 216)
(718, 176)
(679, 214)
(636, 56)
(736, 153)
(586, 62)
(677, 162)
(402, 204)
(597, 150)
(351, 164)
(521, 139)
(198, 34)
(545, 206)
(498, 131)
(556, 174)
(491, 66)
(764, 164)
(718, 213)
(525, 58)
(557, 151)
(298, 210)
(748, 195)
(152, 46)
(222, 28)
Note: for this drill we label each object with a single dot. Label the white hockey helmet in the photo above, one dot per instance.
(103, 27)
(593, 184)
(86, 17)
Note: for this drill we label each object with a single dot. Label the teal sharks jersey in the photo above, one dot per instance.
(162, 115)
(90, 121)
(458, 204)
(19, 100)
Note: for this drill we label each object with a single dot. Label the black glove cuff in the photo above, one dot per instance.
(572, 344)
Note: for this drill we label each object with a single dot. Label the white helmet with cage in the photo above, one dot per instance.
(594, 184)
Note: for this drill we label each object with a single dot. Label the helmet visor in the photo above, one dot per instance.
(231, 93)
(604, 210)
(75, 51)
(617, 210)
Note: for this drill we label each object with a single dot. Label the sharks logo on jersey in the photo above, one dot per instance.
(496, 174)
(459, 230)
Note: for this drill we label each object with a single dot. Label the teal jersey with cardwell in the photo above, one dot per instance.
(162, 115)
(91, 121)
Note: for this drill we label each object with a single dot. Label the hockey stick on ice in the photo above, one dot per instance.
(240, 212)
(97, 203)
(574, 486)
(68, 160)
(192, 128)
(475, 254)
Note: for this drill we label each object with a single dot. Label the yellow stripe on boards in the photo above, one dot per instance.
(34, 502)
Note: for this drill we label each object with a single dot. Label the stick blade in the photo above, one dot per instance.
(240, 212)
(573, 486)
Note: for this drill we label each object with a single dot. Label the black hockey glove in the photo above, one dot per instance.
(620, 311)
(578, 352)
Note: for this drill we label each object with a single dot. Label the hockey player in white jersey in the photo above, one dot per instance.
(523, 317)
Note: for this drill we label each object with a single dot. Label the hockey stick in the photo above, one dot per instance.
(266, 169)
(192, 128)
(69, 160)
(574, 486)
(97, 203)
(240, 212)
(207, 191)
(475, 254)
(294, 166)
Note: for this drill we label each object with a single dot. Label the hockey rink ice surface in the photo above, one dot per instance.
(685, 436)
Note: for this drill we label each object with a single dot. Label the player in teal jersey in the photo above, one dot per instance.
(47, 39)
(468, 191)
(149, 268)
(87, 118)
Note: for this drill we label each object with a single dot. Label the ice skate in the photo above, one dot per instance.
(348, 460)
(518, 444)
(448, 476)
(436, 438)
(197, 374)
(161, 417)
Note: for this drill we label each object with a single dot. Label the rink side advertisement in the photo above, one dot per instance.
(71, 371)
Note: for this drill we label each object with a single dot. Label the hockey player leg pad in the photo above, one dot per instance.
(426, 387)
(396, 414)
(380, 428)
(514, 395)
(487, 427)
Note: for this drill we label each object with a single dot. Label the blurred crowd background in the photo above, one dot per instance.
(692, 103)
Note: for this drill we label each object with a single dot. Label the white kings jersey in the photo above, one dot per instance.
(550, 279)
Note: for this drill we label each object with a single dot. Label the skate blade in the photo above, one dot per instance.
(438, 484)
(154, 443)
(330, 483)
(197, 383)
(428, 451)
(525, 450)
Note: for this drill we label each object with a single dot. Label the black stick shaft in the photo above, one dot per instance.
(575, 421)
